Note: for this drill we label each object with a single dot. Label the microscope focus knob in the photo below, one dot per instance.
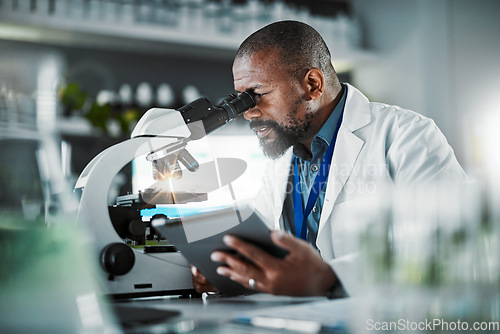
(136, 227)
(117, 258)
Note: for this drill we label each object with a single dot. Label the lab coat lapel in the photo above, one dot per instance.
(347, 148)
(281, 173)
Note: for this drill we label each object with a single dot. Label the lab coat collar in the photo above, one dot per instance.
(347, 149)
(356, 115)
(356, 112)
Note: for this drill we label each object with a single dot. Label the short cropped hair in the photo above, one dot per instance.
(299, 45)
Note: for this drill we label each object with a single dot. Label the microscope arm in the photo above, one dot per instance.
(98, 177)
(161, 134)
(166, 124)
(162, 123)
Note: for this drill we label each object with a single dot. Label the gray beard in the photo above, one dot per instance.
(285, 137)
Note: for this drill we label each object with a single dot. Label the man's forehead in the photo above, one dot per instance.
(248, 73)
(251, 81)
(261, 58)
(248, 64)
(255, 70)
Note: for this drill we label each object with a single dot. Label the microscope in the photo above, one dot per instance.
(135, 259)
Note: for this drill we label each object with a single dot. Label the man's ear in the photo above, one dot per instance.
(314, 81)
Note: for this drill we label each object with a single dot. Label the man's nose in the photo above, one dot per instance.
(252, 113)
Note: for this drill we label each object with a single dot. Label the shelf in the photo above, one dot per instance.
(76, 126)
(113, 36)
(16, 131)
(140, 37)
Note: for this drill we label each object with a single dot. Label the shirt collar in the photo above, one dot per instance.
(328, 129)
(325, 135)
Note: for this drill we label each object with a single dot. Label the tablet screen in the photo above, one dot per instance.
(197, 236)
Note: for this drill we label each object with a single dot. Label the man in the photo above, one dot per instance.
(333, 146)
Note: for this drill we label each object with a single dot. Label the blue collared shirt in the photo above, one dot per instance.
(309, 165)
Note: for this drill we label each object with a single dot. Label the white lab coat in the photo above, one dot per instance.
(377, 144)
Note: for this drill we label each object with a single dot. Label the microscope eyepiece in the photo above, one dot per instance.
(236, 104)
(202, 118)
(215, 116)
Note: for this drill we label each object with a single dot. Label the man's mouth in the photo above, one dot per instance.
(262, 131)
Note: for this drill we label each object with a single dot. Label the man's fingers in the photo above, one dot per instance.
(287, 241)
(200, 288)
(237, 267)
(253, 253)
(200, 282)
(232, 274)
(194, 271)
(243, 279)
(198, 277)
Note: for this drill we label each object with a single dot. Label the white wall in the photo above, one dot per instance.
(440, 58)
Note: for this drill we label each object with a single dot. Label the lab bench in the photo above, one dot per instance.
(219, 314)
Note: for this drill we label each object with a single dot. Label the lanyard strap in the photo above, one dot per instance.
(319, 183)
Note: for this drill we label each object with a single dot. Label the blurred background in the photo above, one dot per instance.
(105, 62)
(76, 75)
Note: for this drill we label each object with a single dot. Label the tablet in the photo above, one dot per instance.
(197, 236)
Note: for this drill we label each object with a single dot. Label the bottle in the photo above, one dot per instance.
(144, 95)
(125, 95)
(165, 96)
(190, 93)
